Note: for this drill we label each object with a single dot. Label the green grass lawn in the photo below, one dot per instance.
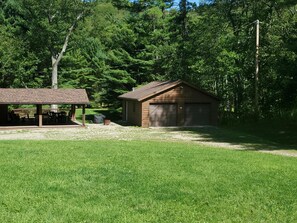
(90, 112)
(138, 181)
(283, 132)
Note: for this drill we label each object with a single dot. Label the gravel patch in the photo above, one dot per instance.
(118, 132)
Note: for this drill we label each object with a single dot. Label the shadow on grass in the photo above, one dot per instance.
(234, 137)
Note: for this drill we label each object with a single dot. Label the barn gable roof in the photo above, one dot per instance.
(157, 87)
(43, 96)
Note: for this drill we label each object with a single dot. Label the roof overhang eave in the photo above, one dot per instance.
(44, 103)
(130, 99)
(147, 96)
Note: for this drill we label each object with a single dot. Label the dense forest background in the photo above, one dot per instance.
(110, 46)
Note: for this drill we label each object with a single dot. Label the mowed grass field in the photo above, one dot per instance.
(138, 181)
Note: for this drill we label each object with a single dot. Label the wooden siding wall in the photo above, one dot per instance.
(180, 95)
(133, 115)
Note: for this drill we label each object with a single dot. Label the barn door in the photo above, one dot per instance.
(197, 114)
(163, 114)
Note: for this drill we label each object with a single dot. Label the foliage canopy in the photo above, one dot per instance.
(121, 44)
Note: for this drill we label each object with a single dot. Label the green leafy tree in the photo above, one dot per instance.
(17, 65)
(50, 26)
(110, 58)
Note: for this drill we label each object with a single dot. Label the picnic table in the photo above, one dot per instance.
(53, 117)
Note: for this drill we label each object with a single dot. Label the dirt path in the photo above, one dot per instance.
(114, 131)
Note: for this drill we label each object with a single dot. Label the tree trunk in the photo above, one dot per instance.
(55, 62)
(57, 58)
(54, 73)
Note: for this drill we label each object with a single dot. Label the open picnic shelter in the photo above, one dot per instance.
(39, 98)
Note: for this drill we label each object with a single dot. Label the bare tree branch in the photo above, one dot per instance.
(67, 37)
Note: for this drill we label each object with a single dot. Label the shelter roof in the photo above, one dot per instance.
(43, 96)
(157, 87)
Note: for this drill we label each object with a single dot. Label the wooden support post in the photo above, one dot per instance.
(73, 118)
(84, 115)
(39, 114)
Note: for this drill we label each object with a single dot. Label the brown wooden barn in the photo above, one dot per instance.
(169, 103)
